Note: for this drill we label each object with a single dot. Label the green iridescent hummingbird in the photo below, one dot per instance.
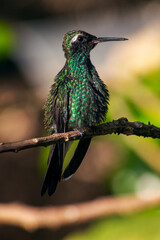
(78, 98)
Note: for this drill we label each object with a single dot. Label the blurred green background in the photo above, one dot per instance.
(31, 34)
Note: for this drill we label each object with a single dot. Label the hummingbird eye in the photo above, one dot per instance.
(77, 39)
(80, 38)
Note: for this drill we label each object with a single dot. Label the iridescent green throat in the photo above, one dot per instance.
(88, 98)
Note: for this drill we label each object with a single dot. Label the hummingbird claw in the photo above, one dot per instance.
(80, 130)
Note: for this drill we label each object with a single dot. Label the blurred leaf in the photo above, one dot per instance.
(127, 179)
(140, 226)
(136, 110)
(43, 158)
(6, 40)
(152, 81)
(139, 101)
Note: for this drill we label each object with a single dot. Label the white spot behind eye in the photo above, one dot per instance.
(74, 38)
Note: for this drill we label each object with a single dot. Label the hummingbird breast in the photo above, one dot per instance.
(88, 98)
(77, 99)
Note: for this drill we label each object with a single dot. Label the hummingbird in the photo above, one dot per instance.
(78, 98)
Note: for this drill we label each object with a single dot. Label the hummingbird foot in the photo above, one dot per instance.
(80, 130)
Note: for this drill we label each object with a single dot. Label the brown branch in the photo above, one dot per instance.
(32, 218)
(120, 126)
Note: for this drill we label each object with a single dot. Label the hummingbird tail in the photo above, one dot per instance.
(53, 174)
(55, 161)
(76, 160)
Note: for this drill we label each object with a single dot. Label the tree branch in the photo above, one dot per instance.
(120, 126)
(32, 218)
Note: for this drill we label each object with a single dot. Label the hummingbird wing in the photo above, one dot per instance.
(56, 115)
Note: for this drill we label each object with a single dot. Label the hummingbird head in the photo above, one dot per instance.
(83, 42)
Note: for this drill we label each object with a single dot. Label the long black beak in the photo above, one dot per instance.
(108, 39)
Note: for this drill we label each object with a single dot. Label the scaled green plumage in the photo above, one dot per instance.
(77, 99)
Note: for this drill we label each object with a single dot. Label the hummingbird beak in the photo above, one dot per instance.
(107, 39)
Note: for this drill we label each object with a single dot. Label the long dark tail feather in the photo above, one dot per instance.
(54, 170)
(77, 158)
